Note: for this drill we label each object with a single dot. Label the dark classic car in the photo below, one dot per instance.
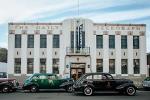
(8, 85)
(93, 82)
(43, 81)
(146, 83)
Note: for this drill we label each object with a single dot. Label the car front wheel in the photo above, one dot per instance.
(33, 89)
(130, 90)
(88, 91)
(5, 89)
(69, 89)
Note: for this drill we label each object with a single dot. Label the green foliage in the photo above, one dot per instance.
(3, 55)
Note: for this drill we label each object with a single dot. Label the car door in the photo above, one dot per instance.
(53, 81)
(99, 82)
(110, 83)
(43, 82)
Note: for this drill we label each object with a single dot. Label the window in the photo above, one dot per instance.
(99, 66)
(99, 41)
(42, 65)
(55, 41)
(18, 41)
(112, 66)
(42, 77)
(30, 66)
(17, 67)
(97, 77)
(56, 66)
(124, 66)
(72, 39)
(136, 63)
(51, 77)
(135, 42)
(123, 42)
(89, 77)
(43, 43)
(30, 41)
(111, 41)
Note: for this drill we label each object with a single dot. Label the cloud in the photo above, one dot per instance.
(3, 45)
(102, 11)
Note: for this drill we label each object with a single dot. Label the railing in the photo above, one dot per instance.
(78, 51)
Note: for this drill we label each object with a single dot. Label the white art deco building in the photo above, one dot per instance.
(76, 46)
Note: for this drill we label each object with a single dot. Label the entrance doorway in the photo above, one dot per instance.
(77, 70)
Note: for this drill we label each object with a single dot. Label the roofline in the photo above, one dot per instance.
(21, 23)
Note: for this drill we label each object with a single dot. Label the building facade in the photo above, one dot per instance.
(76, 46)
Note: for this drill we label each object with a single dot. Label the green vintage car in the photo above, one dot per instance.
(44, 81)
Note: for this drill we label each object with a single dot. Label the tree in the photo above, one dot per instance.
(3, 55)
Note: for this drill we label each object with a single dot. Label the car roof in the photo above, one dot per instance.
(43, 74)
(100, 73)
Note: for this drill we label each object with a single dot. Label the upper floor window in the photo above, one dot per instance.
(123, 42)
(18, 41)
(135, 42)
(111, 41)
(72, 39)
(30, 41)
(99, 41)
(55, 41)
(43, 39)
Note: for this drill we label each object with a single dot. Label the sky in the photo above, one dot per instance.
(101, 11)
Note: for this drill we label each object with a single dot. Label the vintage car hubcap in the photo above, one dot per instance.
(33, 89)
(5, 89)
(130, 90)
(88, 91)
(70, 89)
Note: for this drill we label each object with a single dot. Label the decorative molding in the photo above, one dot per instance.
(142, 33)
(11, 31)
(24, 32)
(61, 32)
(105, 32)
(94, 32)
(37, 32)
(49, 32)
(130, 32)
(118, 32)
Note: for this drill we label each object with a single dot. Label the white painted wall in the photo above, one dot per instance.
(91, 30)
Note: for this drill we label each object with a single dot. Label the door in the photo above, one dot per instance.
(77, 70)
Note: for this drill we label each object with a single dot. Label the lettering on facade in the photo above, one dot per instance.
(110, 27)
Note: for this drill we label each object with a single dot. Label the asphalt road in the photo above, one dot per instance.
(61, 95)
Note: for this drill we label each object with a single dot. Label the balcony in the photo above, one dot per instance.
(78, 52)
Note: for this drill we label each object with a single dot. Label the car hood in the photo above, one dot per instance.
(124, 81)
(6, 79)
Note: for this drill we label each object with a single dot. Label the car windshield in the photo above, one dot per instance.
(80, 79)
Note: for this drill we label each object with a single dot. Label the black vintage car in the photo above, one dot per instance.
(8, 85)
(93, 82)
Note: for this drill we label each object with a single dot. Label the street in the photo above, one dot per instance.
(61, 95)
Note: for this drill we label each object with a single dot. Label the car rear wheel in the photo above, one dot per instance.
(88, 91)
(5, 89)
(33, 89)
(130, 90)
(69, 89)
